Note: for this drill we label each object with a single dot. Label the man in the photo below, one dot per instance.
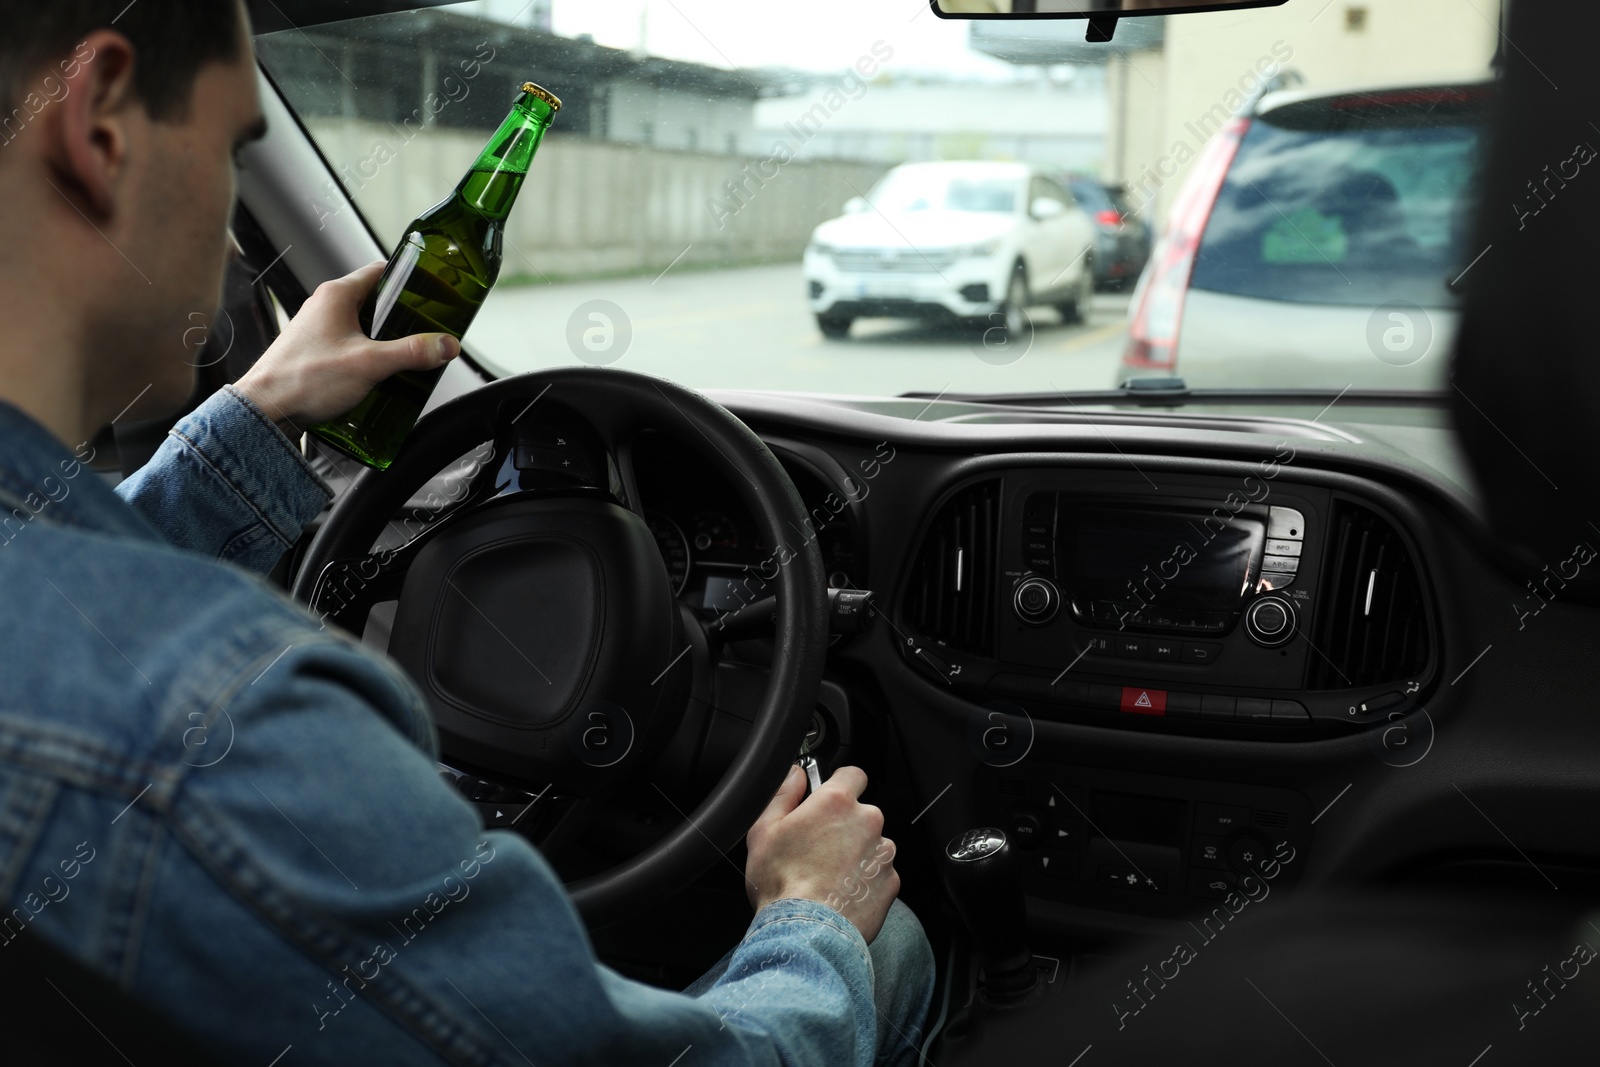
(306, 882)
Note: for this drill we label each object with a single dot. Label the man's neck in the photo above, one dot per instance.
(42, 365)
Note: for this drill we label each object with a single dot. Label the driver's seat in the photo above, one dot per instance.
(58, 1011)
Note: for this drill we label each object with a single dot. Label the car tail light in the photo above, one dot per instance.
(1108, 217)
(1158, 300)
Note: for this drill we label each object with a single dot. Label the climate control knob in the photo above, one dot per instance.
(1270, 621)
(1036, 601)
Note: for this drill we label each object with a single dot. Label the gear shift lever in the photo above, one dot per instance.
(982, 874)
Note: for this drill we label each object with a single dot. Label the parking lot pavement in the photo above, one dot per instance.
(750, 328)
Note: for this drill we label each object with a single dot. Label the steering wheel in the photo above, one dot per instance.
(537, 616)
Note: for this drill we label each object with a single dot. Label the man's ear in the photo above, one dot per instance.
(90, 129)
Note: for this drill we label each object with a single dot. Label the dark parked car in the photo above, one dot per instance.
(1123, 238)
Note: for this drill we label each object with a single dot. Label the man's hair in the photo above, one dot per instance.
(172, 40)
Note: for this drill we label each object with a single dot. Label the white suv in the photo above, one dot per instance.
(950, 240)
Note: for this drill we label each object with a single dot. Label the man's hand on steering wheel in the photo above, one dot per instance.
(828, 847)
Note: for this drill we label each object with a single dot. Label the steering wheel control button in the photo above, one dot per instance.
(1285, 524)
(1246, 853)
(1144, 701)
(1210, 852)
(1211, 885)
(975, 845)
(1220, 819)
(1200, 653)
(1036, 601)
(848, 610)
(1027, 829)
(1269, 621)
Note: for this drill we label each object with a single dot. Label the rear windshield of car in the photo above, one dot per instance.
(921, 192)
(1371, 203)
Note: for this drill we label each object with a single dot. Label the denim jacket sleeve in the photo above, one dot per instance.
(314, 883)
(228, 484)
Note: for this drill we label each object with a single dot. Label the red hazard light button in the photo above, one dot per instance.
(1144, 701)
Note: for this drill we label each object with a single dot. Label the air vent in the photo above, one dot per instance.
(951, 595)
(1372, 627)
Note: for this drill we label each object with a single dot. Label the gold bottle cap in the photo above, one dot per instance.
(543, 94)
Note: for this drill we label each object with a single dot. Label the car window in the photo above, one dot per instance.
(1356, 216)
(920, 190)
(1042, 187)
(1091, 196)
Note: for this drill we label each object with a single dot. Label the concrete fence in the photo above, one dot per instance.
(592, 207)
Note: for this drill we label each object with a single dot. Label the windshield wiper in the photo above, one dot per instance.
(1175, 392)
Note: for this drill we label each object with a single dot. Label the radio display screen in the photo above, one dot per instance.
(1159, 570)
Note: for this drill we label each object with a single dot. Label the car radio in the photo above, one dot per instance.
(1159, 569)
(1199, 581)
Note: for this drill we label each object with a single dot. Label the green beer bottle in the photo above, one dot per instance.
(438, 278)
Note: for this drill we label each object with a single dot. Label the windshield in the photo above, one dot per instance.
(869, 199)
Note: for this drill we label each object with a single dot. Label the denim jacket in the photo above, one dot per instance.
(237, 816)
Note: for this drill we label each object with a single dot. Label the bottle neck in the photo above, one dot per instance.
(491, 186)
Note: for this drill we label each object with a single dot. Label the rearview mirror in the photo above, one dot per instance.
(1103, 14)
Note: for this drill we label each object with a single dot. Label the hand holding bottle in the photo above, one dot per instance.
(324, 363)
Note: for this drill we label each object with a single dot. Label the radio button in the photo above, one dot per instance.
(1280, 564)
(1094, 644)
(1285, 523)
(1036, 601)
(1269, 621)
(1166, 650)
(1130, 647)
(1200, 652)
(1276, 548)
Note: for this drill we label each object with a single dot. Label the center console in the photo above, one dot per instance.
(1238, 607)
(1252, 608)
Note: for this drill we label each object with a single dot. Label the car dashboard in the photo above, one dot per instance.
(1162, 651)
